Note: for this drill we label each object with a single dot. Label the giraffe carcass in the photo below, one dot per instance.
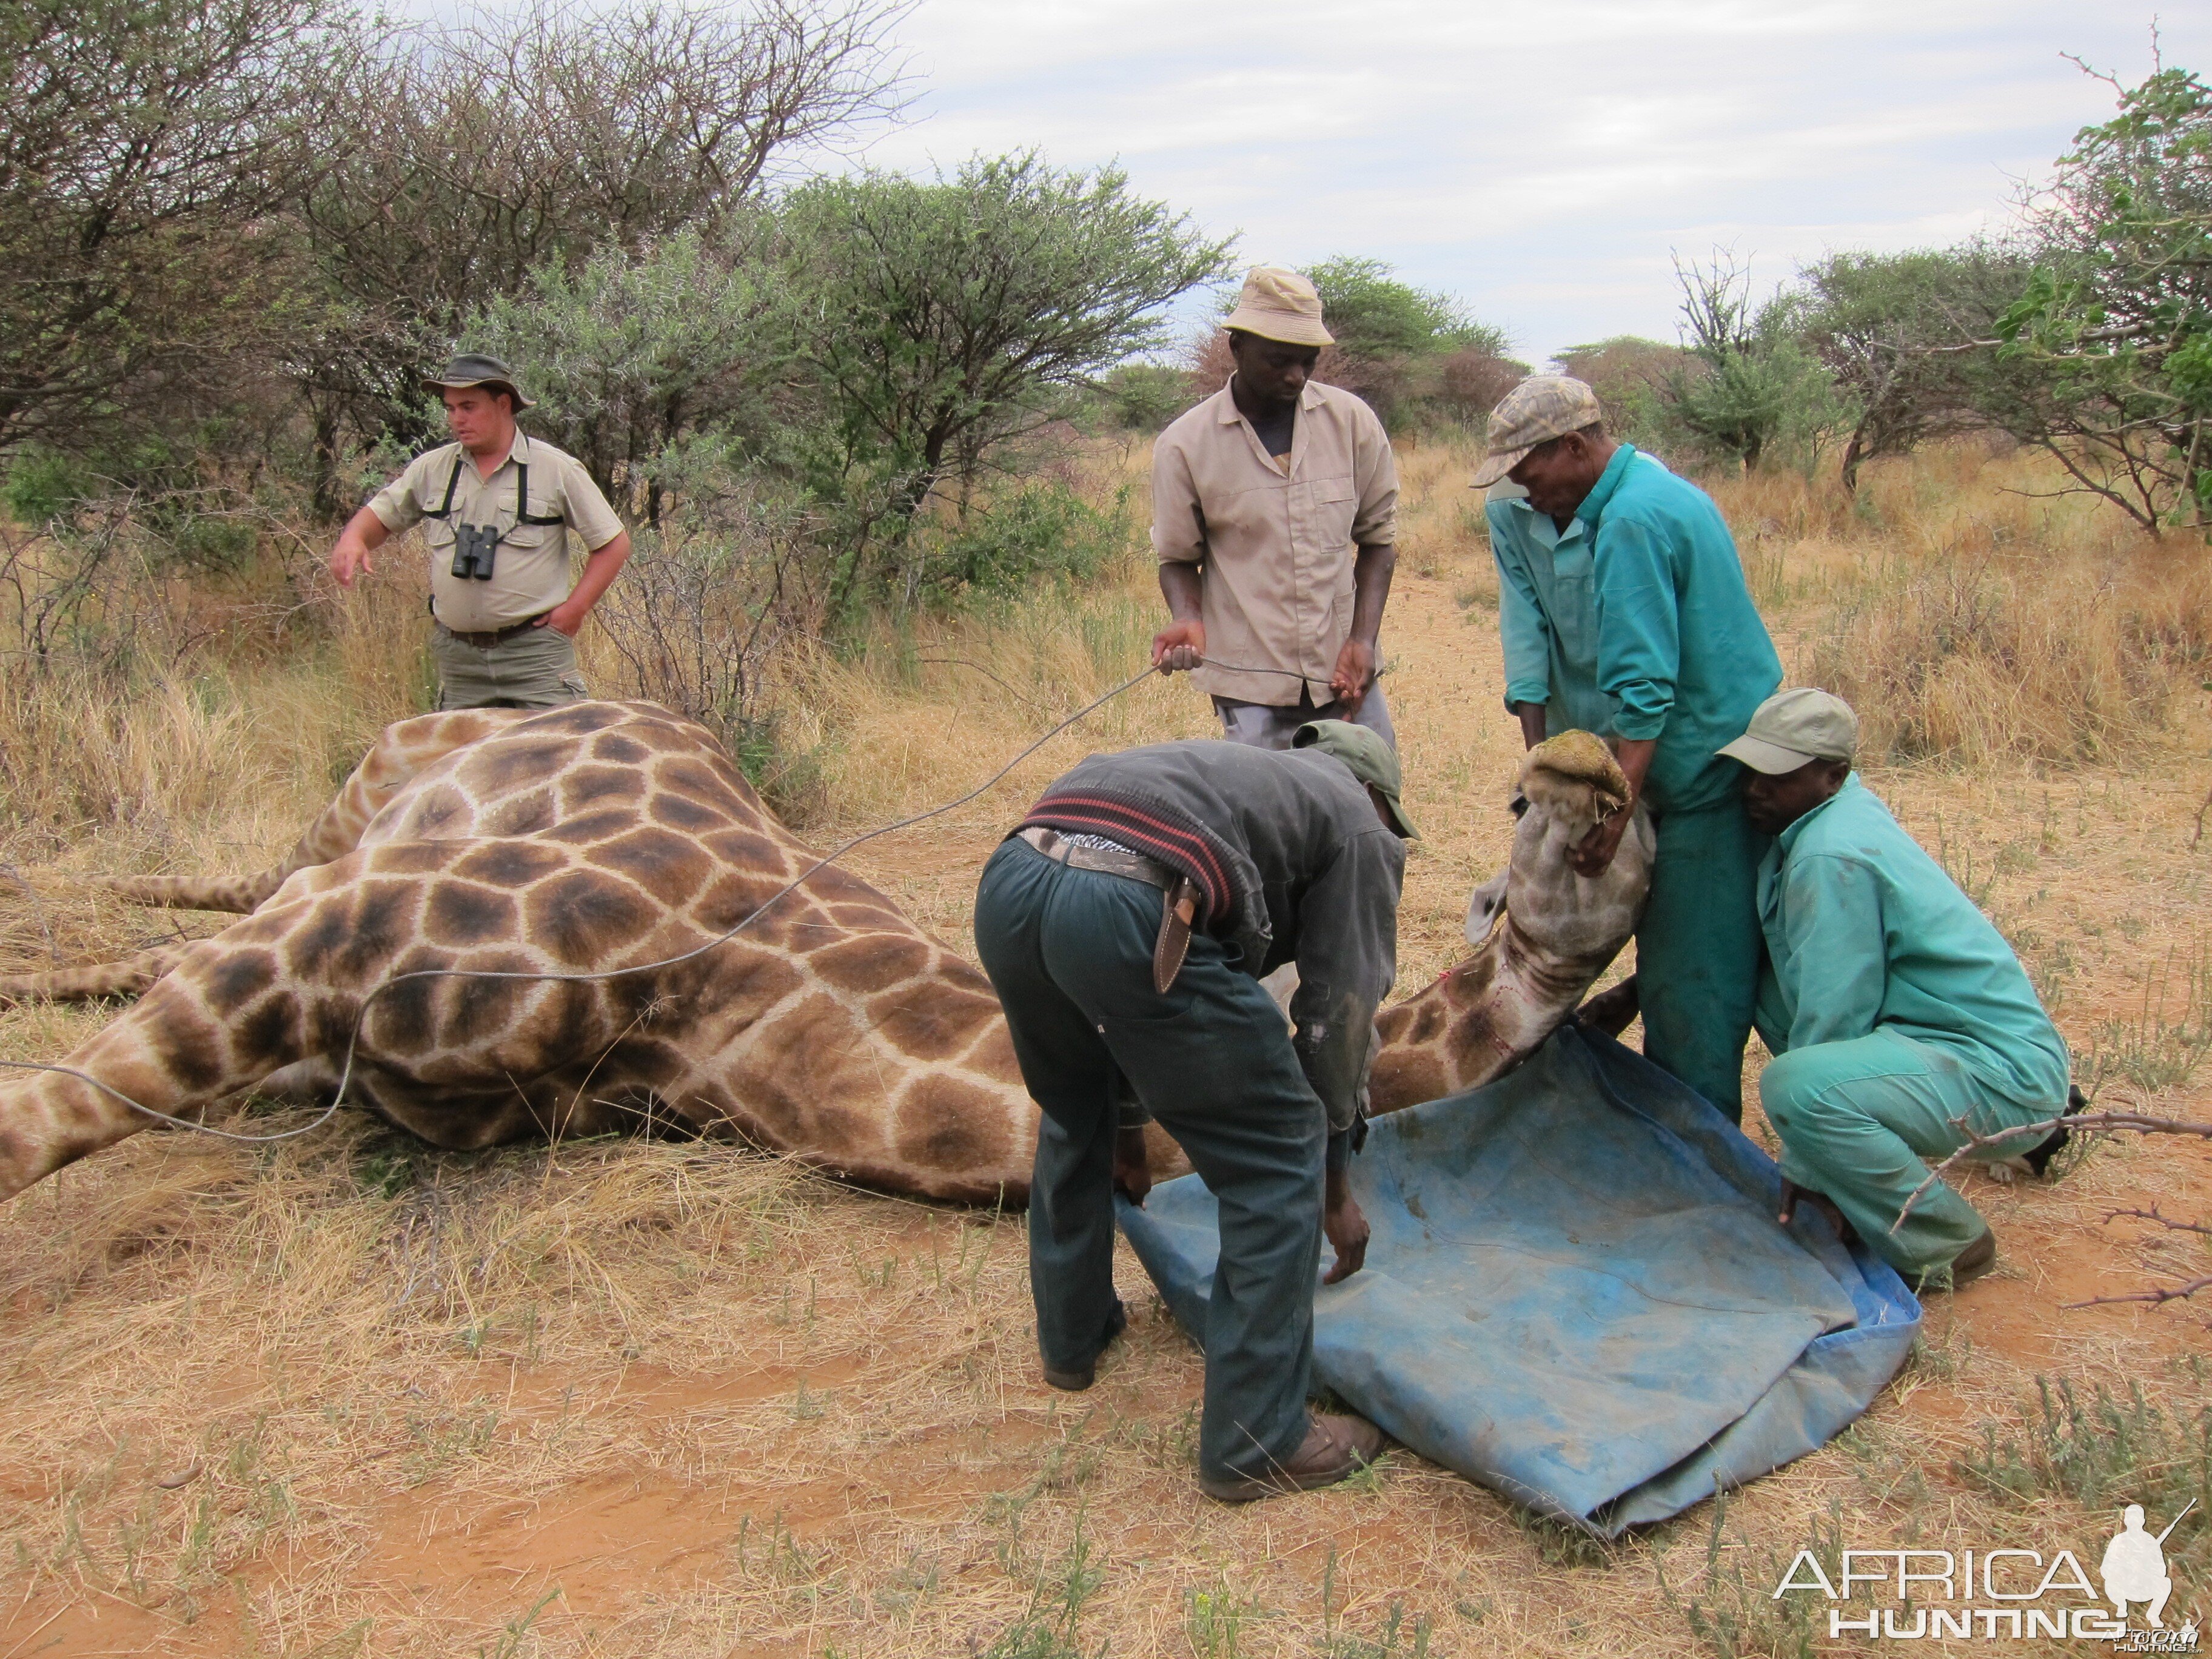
(576, 841)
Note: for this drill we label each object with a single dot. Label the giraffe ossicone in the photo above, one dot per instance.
(604, 835)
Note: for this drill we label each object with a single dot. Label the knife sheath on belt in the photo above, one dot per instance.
(1178, 906)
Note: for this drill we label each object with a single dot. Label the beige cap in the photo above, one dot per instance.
(1279, 305)
(1542, 408)
(1792, 727)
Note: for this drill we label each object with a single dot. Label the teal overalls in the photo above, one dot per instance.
(1897, 1013)
(1634, 621)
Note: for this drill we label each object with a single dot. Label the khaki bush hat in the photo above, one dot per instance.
(1371, 760)
(1279, 305)
(1542, 408)
(1793, 727)
(472, 369)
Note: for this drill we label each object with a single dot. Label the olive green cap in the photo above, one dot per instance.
(1371, 760)
(1793, 727)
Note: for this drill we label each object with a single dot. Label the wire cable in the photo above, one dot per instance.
(361, 1016)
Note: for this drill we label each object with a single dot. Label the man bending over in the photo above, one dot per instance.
(1125, 924)
(1901, 1022)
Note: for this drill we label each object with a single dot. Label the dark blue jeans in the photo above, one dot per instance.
(1070, 954)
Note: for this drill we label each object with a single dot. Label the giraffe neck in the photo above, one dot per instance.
(1476, 1019)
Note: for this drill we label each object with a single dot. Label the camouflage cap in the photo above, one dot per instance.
(1542, 408)
(473, 368)
(1372, 760)
(1279, 305)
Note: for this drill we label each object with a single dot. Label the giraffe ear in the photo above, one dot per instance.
(1483, 909)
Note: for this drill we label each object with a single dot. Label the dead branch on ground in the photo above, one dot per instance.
(2030, 1134)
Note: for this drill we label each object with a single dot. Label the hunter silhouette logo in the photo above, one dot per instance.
(2003, 1595)
(2134, 1566)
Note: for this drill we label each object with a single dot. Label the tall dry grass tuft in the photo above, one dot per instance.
(892, 726)
(1970, 616)
(1967, 656)
(155, 702)
(377, 647)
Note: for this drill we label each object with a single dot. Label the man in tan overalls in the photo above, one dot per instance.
(498, 507)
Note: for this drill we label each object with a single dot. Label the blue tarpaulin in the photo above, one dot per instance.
(1577, 1292)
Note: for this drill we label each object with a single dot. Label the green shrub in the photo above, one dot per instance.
(2102, 1452)
(1042, 533)
(1732, 1609)
(43, 484)
(176, 516)
(1144, 397)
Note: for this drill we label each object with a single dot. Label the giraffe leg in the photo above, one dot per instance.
(127, 978)
(218, 1024)
(403, 752)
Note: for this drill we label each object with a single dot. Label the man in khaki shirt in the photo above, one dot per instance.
(497, 506)
(1274, 512)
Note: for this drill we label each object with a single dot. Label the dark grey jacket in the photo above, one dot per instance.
(1293, 864)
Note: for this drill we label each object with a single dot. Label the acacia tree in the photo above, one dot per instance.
(1409, 350)
(1626, 371)
(146, 146)
(2111, 343)
(630, 356)
(1895, 331)
(927, 321)
(1748, 387)
(476, 156)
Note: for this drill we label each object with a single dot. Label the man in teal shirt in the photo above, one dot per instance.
(1624, 611)
(1901, 1022)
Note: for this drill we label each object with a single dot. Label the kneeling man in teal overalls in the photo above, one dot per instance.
(1901, 1022)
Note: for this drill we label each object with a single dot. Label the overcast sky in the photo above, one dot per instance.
(1542, 161)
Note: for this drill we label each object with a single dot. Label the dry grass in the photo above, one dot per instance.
(1971, 617)
(347, 1396)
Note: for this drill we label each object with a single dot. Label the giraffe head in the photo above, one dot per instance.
(1568, 785)
(1541, 933)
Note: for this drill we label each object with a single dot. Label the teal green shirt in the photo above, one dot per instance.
(1547, 617)
(1864, 929)
(1637, 614)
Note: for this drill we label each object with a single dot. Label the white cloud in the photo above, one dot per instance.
(1541, 161)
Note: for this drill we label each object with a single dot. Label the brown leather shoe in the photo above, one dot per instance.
(1334, 1449)
(1969, 1265)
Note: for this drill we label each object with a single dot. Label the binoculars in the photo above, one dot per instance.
(474, 547)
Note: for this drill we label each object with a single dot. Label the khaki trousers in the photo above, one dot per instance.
(1270, 726)
(534, 669)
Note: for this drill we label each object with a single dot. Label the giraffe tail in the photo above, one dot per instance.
(129, 978)
(237, 895)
